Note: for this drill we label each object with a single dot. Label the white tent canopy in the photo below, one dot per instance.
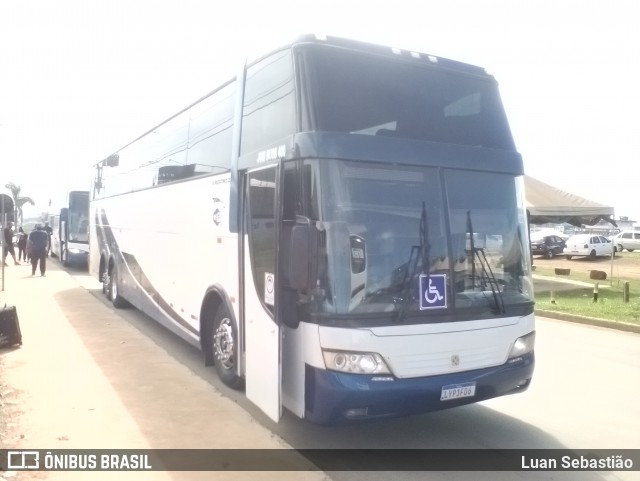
(548, 204)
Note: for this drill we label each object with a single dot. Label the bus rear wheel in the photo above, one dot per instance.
(221, 347)
(113, 292)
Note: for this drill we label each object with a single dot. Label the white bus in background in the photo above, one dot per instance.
(340, 229)
(70, 230)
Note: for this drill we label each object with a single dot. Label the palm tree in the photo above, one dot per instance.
(18, 201)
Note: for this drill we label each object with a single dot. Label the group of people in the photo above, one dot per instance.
(33, 247)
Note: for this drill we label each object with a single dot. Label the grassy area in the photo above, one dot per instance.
(578, 299)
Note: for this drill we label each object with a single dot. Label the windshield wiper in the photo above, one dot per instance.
(487, 272)
(422, 253)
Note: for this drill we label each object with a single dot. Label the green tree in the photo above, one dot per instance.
(18, 201)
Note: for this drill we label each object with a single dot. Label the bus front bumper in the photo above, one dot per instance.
(336, 398)
(77, 257)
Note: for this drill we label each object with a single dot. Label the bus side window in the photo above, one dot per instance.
(311, 191)
(269, 95)
(210, 132)
(290, 193)
(261, 186)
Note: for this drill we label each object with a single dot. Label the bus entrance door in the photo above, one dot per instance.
(262, 335)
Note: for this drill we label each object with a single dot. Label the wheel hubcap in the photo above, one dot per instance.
(223, 344)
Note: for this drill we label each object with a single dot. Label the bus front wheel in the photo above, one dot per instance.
(221, 347)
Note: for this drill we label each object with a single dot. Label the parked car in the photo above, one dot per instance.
(588, 245)
(627, 240)
(548, 246)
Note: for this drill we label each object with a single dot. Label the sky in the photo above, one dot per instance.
(81, 78)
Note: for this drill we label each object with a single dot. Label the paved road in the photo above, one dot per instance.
(584, 395)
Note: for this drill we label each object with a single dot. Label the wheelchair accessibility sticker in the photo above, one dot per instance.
(433, 291)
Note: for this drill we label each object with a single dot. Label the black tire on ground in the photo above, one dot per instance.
(592, 255)
(114, 292)
(220, 346)
(568, 257)
(549, 254)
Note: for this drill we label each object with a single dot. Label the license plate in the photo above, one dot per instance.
(457, 391)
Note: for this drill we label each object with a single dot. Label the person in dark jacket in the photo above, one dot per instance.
(39, 244)
(8, 244)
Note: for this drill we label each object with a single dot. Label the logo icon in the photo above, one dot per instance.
(23, 460)
(433, 291)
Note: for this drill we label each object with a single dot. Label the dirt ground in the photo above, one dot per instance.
(625, 265)
(87, 378)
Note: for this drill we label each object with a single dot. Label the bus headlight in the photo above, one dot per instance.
(355, 362)
(523, 345)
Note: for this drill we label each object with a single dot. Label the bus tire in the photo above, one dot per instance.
(113, 292)
(64, 258)
(220, 345)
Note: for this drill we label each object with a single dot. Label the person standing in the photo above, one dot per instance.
(22, 245)
(49, 231)
(39, 243)
(8, 244)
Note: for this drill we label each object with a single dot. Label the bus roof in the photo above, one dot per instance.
(376, 49)
(390, 51)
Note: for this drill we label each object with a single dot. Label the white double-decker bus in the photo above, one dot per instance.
(340, 229)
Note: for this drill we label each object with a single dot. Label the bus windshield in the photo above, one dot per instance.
(79, 217)
(386, 227)
(371, 95)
